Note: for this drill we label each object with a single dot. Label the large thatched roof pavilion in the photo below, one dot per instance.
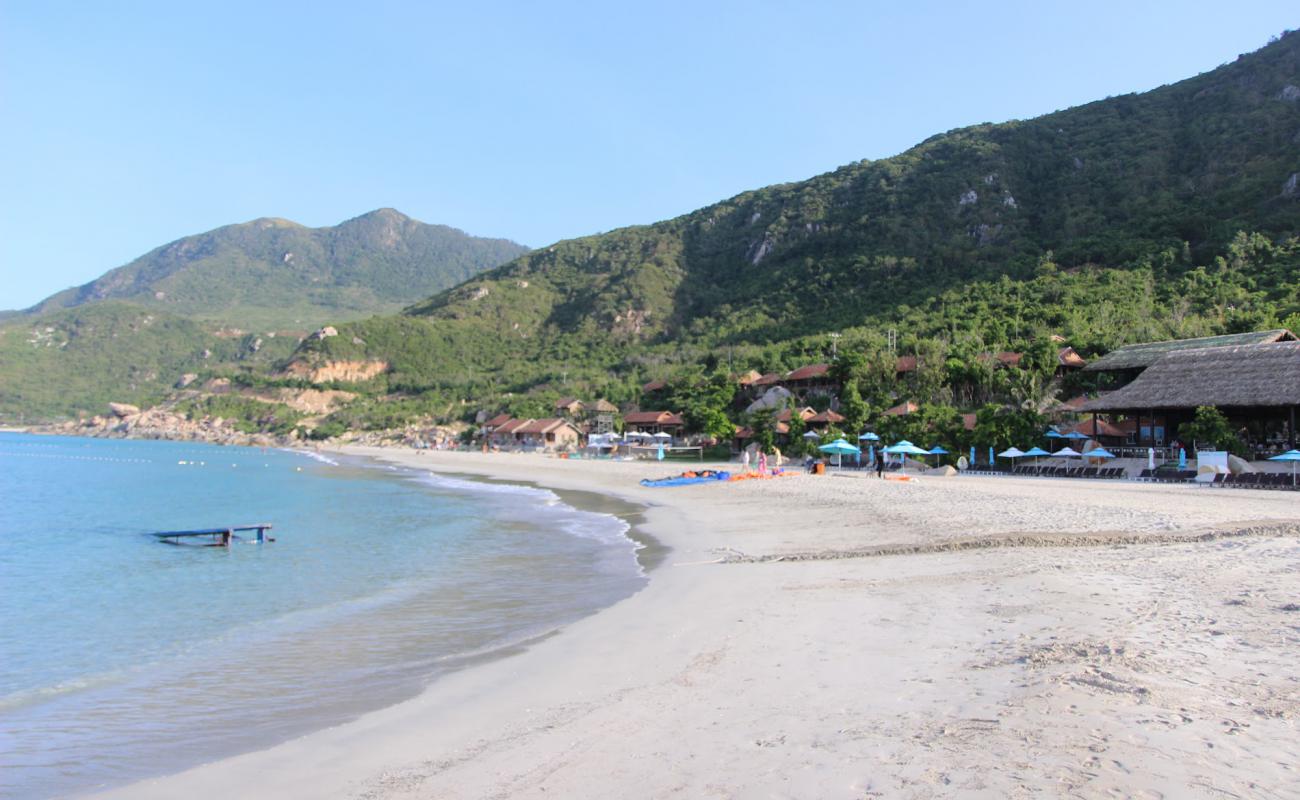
(1251, 383)
(1137, 357)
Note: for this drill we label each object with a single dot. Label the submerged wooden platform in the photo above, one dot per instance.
(221, 537)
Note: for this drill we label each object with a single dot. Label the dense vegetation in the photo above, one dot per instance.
(66, 362)
(1161, 215)
(122, 337)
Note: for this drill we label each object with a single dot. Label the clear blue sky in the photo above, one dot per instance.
(127, 125)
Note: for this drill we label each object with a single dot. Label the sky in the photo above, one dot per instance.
(127, 125)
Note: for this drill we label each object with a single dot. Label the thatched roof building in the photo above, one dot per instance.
(1141, 356)
(1245, 376)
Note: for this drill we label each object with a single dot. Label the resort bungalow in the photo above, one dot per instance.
(812, 379)
(903, 409)
(569, 407)
(492, 424)
(1256, 386)
(653, 388)
(506, 434)
(1068, 360)
(786, 415)
(744, 435)
(549, 434)
(822, 421)
(654, 422)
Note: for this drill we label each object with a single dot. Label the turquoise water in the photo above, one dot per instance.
(122, 657)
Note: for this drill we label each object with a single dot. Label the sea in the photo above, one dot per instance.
(123, 657)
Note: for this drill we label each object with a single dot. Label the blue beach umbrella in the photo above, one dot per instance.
(905, 448)
(1182, 458)
(1036, 452)
(1053, 433)
(1012, 453)
(990, 455)
(937, 450)
(839, 447)
(1291, 455)
(972, 455)
(1066, 452)
(1099, 452)
(868, 437)
(871, 452)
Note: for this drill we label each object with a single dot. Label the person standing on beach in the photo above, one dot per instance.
(744, 460)
(762, 462)
(880, 465)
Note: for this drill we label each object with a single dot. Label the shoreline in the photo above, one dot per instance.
(854, 675)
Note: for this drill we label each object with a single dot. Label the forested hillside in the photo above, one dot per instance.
(1168, 213)
(236, 298)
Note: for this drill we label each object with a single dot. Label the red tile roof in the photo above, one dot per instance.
(808, 373)
(512, 426)
(968, 421)
(543, 425)
(905, 364)
(767, 380)
(497, 421)
(785, 414)
(653, 386)
(826, 417)
(903, 408)
(652, 418)
(1067, 357)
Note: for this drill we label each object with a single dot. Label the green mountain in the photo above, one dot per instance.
(273, 273)
(1110, 222)
(187, 307)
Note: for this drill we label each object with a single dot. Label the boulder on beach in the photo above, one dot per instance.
(1237, 466)
(945, 471)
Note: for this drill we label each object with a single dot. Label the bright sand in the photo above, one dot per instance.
(1158, 659)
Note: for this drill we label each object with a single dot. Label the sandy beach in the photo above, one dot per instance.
(845, 637)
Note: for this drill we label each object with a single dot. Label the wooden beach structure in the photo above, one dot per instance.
(218, 537)
(1257, 386)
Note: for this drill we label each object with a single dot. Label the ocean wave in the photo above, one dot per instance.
(547, 509)
(312, 454)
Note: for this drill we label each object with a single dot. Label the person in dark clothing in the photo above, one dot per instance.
(880, 465)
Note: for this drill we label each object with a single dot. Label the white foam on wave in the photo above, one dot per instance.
(547, 509)
(312, 454)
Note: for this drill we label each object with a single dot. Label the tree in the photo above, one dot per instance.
(1211, 427)
(763, 424)
(797, 445)
(853, 408)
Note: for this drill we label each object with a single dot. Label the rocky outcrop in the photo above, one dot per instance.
(342, 371)
(123, 410)
(308, 401)
(160, 423)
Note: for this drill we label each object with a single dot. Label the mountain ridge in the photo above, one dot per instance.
(244, 272)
